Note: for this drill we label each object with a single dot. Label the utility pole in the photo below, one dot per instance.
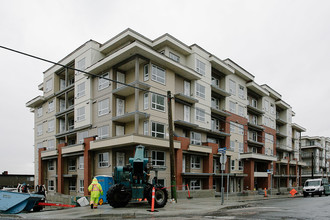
(172, 154)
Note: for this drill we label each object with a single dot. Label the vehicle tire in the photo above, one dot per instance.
(147, 192)
(320, 194)
(305, 194)
(118, 196)
(312, 195)
(161, 196)
(37, 208)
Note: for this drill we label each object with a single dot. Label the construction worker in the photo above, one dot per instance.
(96, 190)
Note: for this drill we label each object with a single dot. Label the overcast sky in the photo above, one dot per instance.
(285, 44)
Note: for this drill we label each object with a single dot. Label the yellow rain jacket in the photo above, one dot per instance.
(95, 189)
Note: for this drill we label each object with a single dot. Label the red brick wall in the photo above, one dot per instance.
(60, 180)
(41, 167)
(87, 164)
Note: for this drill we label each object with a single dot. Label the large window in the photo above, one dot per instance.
(103, 132)
(200, 114)
(232, 87)
(196, 138)
(232, 167)
(81, 163)
(103, 159)
(240, 110)
(158, 74)
(266, 105)
(241, 91)
(195, 184)
(158, 130)
(72, 164)
(186, 113)
(121, 79)
(51, 144)
(51, 106)
(232, 145)
(49, 85)
(158, 158)
(51, 125)
(215, 124)
(232, 107)
(195, 162)
(174, 57)
(81, 114)
(81, 186)
(103, 107)
(240, 147)
(158, 102)
(51, 165)
(81, 90)
(39, 130)
(200, 91)
(81, 136)
(146, 128)
(51, 185)
(215, 103)
(146, 72)
(120, 107)
(145, 101)
(72, 185)
(200, 67)
(103, 81)
(39, 112)
(81, 65)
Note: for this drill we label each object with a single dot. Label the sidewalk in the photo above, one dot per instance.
(184, 207)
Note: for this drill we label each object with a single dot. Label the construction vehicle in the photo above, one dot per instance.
(131, 183)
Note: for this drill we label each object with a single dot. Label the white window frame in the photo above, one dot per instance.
(51, 144)
(72, 167)
(232, 145)
(254, 102)
(200, 67)
(39, 112)
(232, 165)
(120, 130)
(39, 129)
(272, 108)
(155, 158)
(241, 110)
(81, 65)
(232, 106)
(241, 165)
(51, 106)
(81, 136)
(72, 185)
(215, 103)
(195, 184)
(215, 82)
(200, 114)
(81, 114)
(200, 91)
(120, 78)
(146, 128)
(51, 125)
(51, 165)
(81, 162)
(196, 138)
(266, 105)
(62, 84)
(103, 159)
(174, 57)
(241, 91)
(51, 185)
(240, 147)
(158, 74)
(156, 102)
(215, 124)
(232, 87)
(146, 101)
(195, 162)
(186, 113)
(120, 104)
(103, 132)
(103, 82)
(103, 107)
(81, 89)
(146, 72)
(49, 85)
(155, 132)
(186, 88)
(120, 159)
(81, 186)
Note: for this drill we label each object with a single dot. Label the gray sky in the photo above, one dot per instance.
(284, 44)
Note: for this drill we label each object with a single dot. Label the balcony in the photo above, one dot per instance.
(283, 147)
(220, 133)
(315, 145)
(255, 110)
(185, 98)
(255, 126)
(185, 123)
(220, 91)
(280, 121)
(128, 117)
(200, 148)
(71, 149)
(130, 90)
(219, 112)
(280, 134)
(257, 156)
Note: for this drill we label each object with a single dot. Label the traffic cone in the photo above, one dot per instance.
(153, 201)
(265, 192)
(189, 197)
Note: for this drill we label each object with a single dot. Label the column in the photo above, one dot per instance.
(137, 94)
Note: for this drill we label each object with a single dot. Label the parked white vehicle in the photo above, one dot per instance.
(314, 187)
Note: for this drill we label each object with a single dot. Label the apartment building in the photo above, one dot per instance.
(86, 124)
(315, 152)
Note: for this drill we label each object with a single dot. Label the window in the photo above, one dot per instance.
(196, 138)
(254, 102)
(240, 110)
(232, 107)
(174, 57)
(81, 186)
(81, 162)
(51, 165)
(103, 132)
(254, 119)
(232, 87)
(146, 128)
(81, 114)
(120, 107)
(232, 145)
(158, 158)
(241, 91)
(200, 91)
(51, 144)
(103, 159)
(146, 72)
(51, 125)
(103, 81)
(158, 74)
(266, 105)
(146, 101)
(39, 130)
(240, 147)
(272, 109)
(215, 103)
(49, 85)
(51, 185)
(240, 129)
(62, 105)
(71, 164)
(51, 106)
(195, 184)
(232, 127)
(215, 82)
(240, 165)
(39, 112)
(215, 124)
(120, 79)
(158, 102)
(195, 162)
(253, 135)
(72, 185)
(62, 125)
(120, 130)
(82, 136)
(120, 159)
(39, 145)
(81, 90)
(62, 84)
(186, 113)
(232, 167)
(158, 130)
(81, 65)
(200, 114)
(200, 67)
(103, 107)
(186, 88)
